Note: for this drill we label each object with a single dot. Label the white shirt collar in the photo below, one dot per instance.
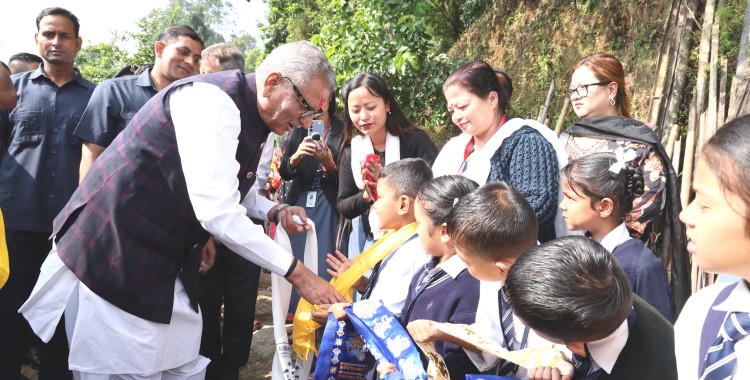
(738, 300)
(453, 266)
(615, 237)
(605, 351)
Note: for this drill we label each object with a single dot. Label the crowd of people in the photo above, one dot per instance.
(136, 210)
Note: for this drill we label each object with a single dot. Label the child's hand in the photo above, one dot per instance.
(546, 373)
(337, 310)
(320, 314)
(424, 331)
(385, 368)
(338, 264)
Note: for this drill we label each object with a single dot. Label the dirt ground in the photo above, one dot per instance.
(261, 353)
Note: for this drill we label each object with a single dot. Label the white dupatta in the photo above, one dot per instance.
(286, 365)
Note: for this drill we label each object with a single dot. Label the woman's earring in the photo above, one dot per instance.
(389, 112)
(612, 101)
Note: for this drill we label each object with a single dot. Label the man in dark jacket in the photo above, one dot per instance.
(127, 242)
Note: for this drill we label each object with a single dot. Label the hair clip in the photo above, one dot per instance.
(455, 200)
(623, 156)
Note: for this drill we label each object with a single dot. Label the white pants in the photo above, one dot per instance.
(195, 370)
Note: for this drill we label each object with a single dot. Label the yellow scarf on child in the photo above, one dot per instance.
(303, 329)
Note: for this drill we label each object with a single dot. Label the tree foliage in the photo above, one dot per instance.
(208, 17)
(390, 38)
(404, 42)
(100, 61)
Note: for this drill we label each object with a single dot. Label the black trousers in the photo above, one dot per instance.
(232, 281)
(26, 252)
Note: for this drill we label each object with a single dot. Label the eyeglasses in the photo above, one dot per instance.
(583, 90)
(310, 111)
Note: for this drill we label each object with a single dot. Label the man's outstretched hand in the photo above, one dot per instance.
(313, 288)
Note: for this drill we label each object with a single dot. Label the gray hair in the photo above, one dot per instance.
(300, 61)
(227, 56)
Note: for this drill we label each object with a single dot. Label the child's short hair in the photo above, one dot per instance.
(571, 289)
(590, 175)
(407, 175)
(494, 221)
(438, 195)
(728, 156)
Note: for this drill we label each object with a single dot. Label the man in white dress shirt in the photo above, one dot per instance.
(124, 267)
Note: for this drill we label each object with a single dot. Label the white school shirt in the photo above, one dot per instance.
(615, 237)
(488, 325)
(111, 341)
(396, 273)
(604, 352)
(687, 329)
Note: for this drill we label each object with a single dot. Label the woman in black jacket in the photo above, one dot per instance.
(312, 167)
(373, 124)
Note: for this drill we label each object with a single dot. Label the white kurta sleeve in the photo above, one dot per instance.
(207, 125)
(257, 205)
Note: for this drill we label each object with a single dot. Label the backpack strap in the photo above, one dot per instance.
(711, 326)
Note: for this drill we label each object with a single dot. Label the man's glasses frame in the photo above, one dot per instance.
(583, 89)
(310, 111)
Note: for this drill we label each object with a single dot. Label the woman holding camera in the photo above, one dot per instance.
(310, 162)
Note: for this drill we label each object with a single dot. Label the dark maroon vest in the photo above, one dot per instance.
(129, 229)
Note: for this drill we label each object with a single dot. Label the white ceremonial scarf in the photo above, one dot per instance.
(361, 147)
(281, 292)
(451, 157)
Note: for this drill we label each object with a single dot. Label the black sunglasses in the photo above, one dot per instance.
(310, 111)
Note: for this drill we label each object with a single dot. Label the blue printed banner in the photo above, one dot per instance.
(342, 354)
(369, 330)
(387, 340)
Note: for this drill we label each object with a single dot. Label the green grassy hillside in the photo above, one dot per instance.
(536, 41)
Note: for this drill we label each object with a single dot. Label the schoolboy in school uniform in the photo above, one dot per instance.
(397, 187)
(444, 290)
(573, 291)
(490, 227)
(710, 334)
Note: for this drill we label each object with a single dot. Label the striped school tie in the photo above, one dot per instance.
(582, 365)
(721, 358)
(507, 368)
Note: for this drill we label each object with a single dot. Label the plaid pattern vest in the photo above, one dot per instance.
(129, 229)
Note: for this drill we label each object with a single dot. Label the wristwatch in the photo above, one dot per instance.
(275, 216)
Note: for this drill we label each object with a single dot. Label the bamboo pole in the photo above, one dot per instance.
(676, 155)
(687, 168)
(739, 100)
(704, 51)
(667, 251)
(670, 143)
(687, 174)
(561, 118)
(713, 82)
(664, 66)
(687, 26)
(543, 111)
(722, 109)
